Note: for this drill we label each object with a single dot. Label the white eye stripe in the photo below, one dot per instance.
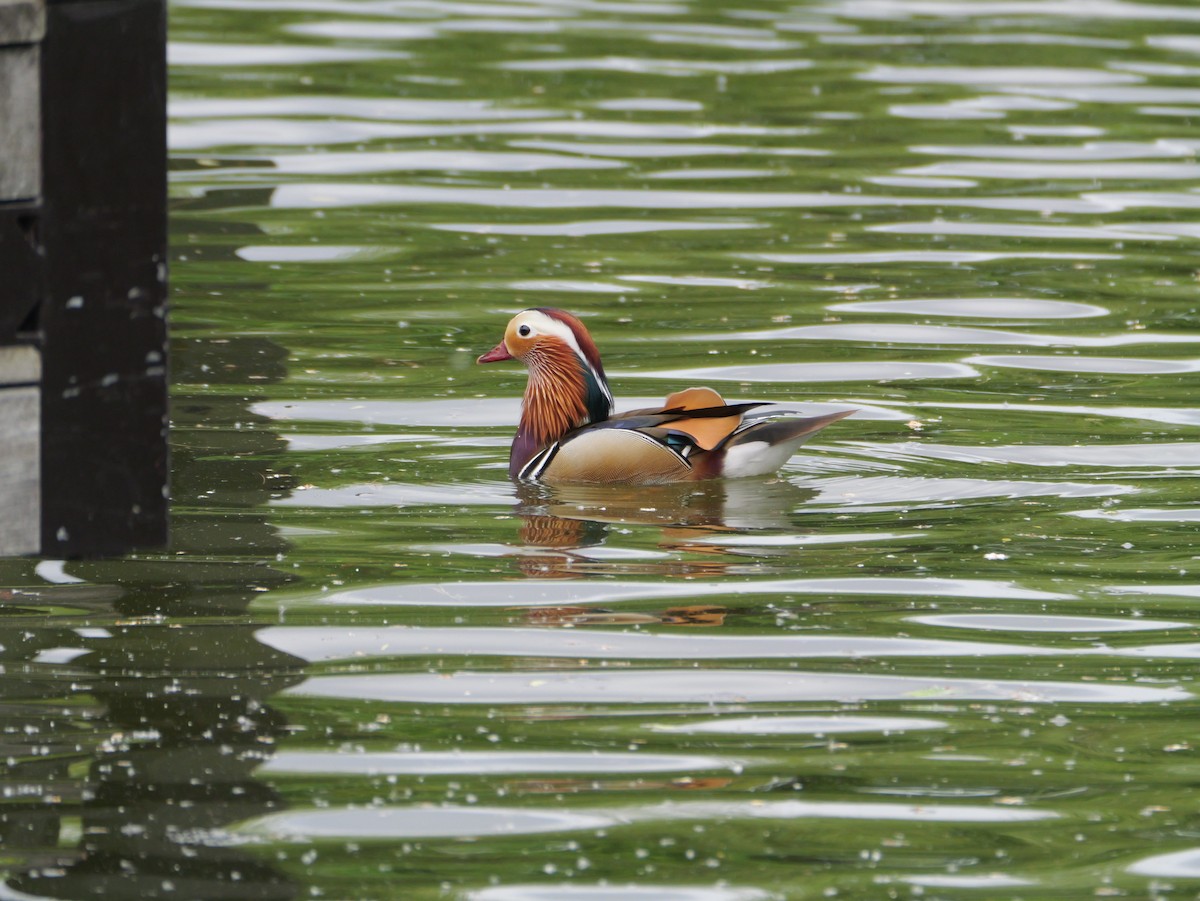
(547, 325)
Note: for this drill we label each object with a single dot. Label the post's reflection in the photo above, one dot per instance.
(130, 740)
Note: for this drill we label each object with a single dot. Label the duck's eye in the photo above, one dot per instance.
(524, 331)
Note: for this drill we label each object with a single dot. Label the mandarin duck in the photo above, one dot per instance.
(568, 433)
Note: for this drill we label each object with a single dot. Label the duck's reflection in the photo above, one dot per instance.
(565, 530)
(683, 509)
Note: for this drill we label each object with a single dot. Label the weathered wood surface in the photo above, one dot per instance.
(22, 23)
(22, 26)
(20, 480)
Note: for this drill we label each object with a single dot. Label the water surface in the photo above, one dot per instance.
(949, 653)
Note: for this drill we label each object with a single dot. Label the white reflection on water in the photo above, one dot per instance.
(888, 492)
(535, 593)
(700, 281)
(380, 763)
(918, 255)
(1087, 364)
(381, 32)
(967, 880)
(1155, 456)
(1142, 514)
(446, 821)
(593, 227)
(339, 194)
(421, 822)
(430, 160)
(1012, 37)
(310, 253)
(316, 644)
(1054, 131)
(390, 109)
(1085, 171)
(758, 541)
(916, 181)
(398, 494)
(569, 286)
(711, 686)
(906, 333)
(617, 892)
(800, 725)
(1166, 590)
(712, 174)
(977, 307)
(662, 150)
(1012, 229)
(657, 66)
(650, 105)
(1184, 43)
(1117, 93)
(1172, 415)
(1175, 865)
(990, 106)
(956, 9)
(277, 132)
(1032, 622)
(850, 371)
(996, 76)
(1043, 153)
(181, 53)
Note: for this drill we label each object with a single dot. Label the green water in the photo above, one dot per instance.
(949, 653)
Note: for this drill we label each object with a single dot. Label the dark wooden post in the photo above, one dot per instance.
(91, 231)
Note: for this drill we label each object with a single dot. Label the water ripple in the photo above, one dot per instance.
(918, 255)
(1083, 171)
(378, 763)
(315, 644)
(569, 592)
(1019, 229)
(447, 821)
(1121, 10)
(723, 686)
(1145, 455)
(663, 150)
(182, 53)
(1029, 622)
(596, 227)
(850, 371)
(978, 307)
(389, 109)
(819, 726)
(901, 333)
(996, 76)
(609, 891)
(1087, 364)
(333, 194)
(656, 66)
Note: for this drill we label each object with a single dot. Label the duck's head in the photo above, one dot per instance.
(567, 387)
(544, 333)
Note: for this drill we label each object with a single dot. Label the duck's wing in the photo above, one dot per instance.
(699, 412)
(694, 435)
(614, 454)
